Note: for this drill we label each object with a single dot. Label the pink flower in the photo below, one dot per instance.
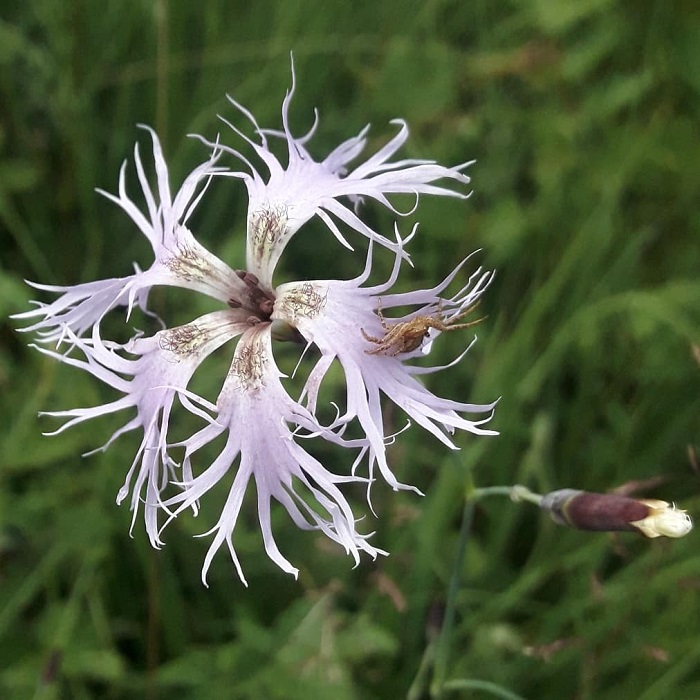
(262, 424)
(290, 194)
(346, 321)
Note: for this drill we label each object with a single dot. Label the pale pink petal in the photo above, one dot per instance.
(161, 370)
(333, 315)
(259, 419)
(288, 194)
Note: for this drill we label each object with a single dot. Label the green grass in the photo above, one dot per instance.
(583, 117)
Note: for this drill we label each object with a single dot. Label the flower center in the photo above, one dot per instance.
(261, 301)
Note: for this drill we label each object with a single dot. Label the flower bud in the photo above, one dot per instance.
(607, 512)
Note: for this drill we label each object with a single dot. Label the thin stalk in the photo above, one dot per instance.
(443, 643)
(516, 493)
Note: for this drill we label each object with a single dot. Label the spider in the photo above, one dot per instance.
(406, 336)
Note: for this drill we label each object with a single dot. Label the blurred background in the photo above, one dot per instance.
(584, 119)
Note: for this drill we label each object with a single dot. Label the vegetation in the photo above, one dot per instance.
(584, 119)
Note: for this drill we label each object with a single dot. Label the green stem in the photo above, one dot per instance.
(443, 643)
(516, 493)
(415, 692)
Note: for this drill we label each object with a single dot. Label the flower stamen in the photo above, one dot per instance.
(262, 300)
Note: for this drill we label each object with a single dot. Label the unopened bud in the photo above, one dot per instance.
(607, 512)
(664, 520)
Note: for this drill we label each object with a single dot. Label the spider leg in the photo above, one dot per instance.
(466, 312)
(374, 351)
(369, 337)
(464, 325)
(382, 320)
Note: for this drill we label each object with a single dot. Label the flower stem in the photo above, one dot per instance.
(516, 493)
(443, 642)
